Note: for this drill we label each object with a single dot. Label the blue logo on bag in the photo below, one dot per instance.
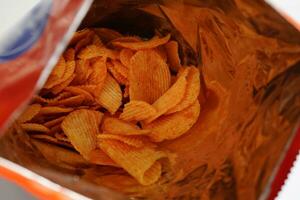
(25, 33)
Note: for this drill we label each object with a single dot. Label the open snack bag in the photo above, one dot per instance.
(188, 99)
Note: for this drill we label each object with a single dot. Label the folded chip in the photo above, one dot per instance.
(149, 76)
(172, 126)
(137, 111)
(82, 127)
(142, 163)
(116, 126)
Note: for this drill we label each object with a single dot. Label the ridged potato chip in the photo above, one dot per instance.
(136, 141)
(97, 77)
(54, 122)
(60, 156)
(48, 110)
(69, 55)
(58, 88)
(61, 137)
(93, 51)
(125, 56)
(75, 90)
(172, 55)
(118, 71)
(137, 111)
(70, 101)
(82, 127)
(56, 74)
(171, 97)
(83, 43)
(97, 41)
(106, 34)
(29, 113)
(172, 126)
(142, 163)
(149, 76)
(110, 95)
(191, 93)
(51, 139)
(60, 96)
(79, 35)
(162, 53)
(34, 127)
(82, 72)
(116, 126)
(141, 45)
(98, 157)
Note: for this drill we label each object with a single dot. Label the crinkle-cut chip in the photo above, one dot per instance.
(110, 95)
(60, 156)
(79, 35)
(60, 96)
(141, 45)
(51, 139)
(82, 127)
(35, 127)
(120, 68)
(116, 126)
(70, 69)
(29, 113)
(162, 53)
(172, 126)
(172, 97)
(97, 156)
(142, 163)
(125, 56)
(58, 88)
(56, 74)
(98, 75)
(106, 34)
(173, 56)
(191, 92)
(81, 71)
(61, 137)
(117, 72)
(54, 122)
(69, 54)
(83, 43)
(149, 76)
(70, 101)
(76, 90)
(49, 110)
(93, 51)
(125, 39)
(55, 129)
(90, 88)
(135, 141)
(97, 41)
(137, 111)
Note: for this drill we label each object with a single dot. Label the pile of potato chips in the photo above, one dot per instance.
(113, 99)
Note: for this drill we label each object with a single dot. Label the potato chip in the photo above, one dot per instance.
(137, 111)
(58, 88)
(126, 39)
(191, 93)
(110, 95)
(56, 74)
(55, 129)
(69, 55)
(49, 110)
(35, 127)
(82, 127)
(126, 91)
(142, 163)
(81, 71)
(97, 41)
(51, 139)
(61, 137)
(149, 76)
(106, 34)
(29, 113)
(174, 125)
(70, 101)
(97, 156)
(69, 71)
(93, 51)
(60, 156)
(83, 43)
(125, 56)
(172, 54)
(118, 71)
(79, 35)
(97, 77)
(54, 122)
(91, 88)
(172, 96)
(79, 91)
(116, 126)
(162, 53)
(141, 45)
(60, 96)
